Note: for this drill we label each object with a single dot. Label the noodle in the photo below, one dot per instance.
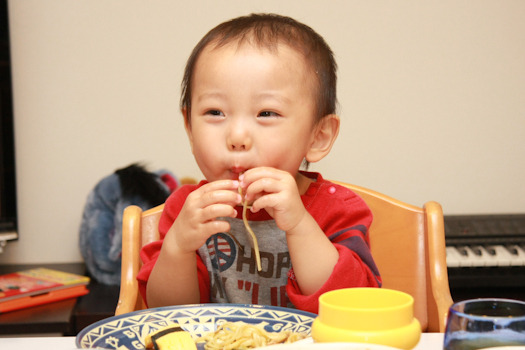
(240, 335)
(250, 231)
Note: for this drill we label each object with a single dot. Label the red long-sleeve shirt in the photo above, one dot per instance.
(227, 272)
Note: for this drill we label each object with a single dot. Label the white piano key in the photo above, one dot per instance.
(521, 253)
(518, 258)
(453, 257)
(492, 260)
(503, 256)
(463, 256)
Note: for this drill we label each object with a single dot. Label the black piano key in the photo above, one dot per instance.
(462, 250)
(491, 250)
(477, 250)
(512, 249)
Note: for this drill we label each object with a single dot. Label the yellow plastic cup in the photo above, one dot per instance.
(367, 315)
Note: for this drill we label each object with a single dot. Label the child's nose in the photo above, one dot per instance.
(239, 137)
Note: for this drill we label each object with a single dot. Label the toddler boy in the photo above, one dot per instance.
(258, 98)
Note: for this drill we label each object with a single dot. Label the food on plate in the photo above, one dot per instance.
(250, 231)
(168, 338)
(228, 336)
(240, 335)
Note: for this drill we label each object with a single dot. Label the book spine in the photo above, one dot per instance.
(44, 298)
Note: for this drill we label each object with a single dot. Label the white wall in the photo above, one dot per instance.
(431, 97)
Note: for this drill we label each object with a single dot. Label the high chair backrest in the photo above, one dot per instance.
(408, 246)
(407, 243)
(138, 229)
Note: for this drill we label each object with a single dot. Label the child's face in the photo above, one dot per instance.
(250, 108)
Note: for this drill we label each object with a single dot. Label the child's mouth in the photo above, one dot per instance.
(237, 171)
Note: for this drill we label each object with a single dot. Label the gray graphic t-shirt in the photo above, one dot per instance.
(233, 269)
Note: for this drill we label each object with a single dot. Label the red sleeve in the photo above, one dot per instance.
(150, 252)
(346, 225)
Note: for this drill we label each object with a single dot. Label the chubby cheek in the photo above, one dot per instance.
(287, 157)
(206, 157)
(202, 145)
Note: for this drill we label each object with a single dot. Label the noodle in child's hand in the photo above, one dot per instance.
(250, 231)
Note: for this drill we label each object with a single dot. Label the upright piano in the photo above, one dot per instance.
(486, 255)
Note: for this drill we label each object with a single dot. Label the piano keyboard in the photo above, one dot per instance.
(484, 250)
(480, 256)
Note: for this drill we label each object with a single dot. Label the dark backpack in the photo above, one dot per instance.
(100, 239)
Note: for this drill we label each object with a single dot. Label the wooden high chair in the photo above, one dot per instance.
(407, 243)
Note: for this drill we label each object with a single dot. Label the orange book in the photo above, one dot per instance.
(39, 286)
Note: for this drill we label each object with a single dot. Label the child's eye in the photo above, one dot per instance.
(267, 114)
(214, 112)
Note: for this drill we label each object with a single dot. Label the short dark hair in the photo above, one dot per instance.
(268, 30)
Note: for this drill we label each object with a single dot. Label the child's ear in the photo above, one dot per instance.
(187, 126)
(323, 138)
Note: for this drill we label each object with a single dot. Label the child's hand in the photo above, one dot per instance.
(196, 221)
(275, 191)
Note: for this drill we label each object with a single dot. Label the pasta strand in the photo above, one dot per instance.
(250, 231)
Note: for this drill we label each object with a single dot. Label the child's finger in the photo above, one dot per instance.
(255, 174)
(220, 185)
(215, 226)
(266, 184)
(214, 211)
(222, 191)
(265, 202)
(230, 197)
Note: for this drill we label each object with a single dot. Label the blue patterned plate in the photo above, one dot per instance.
(127, 332)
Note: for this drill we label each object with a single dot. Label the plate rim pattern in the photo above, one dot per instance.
(136, 321)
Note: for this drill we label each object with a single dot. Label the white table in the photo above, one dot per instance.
(429, 341)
